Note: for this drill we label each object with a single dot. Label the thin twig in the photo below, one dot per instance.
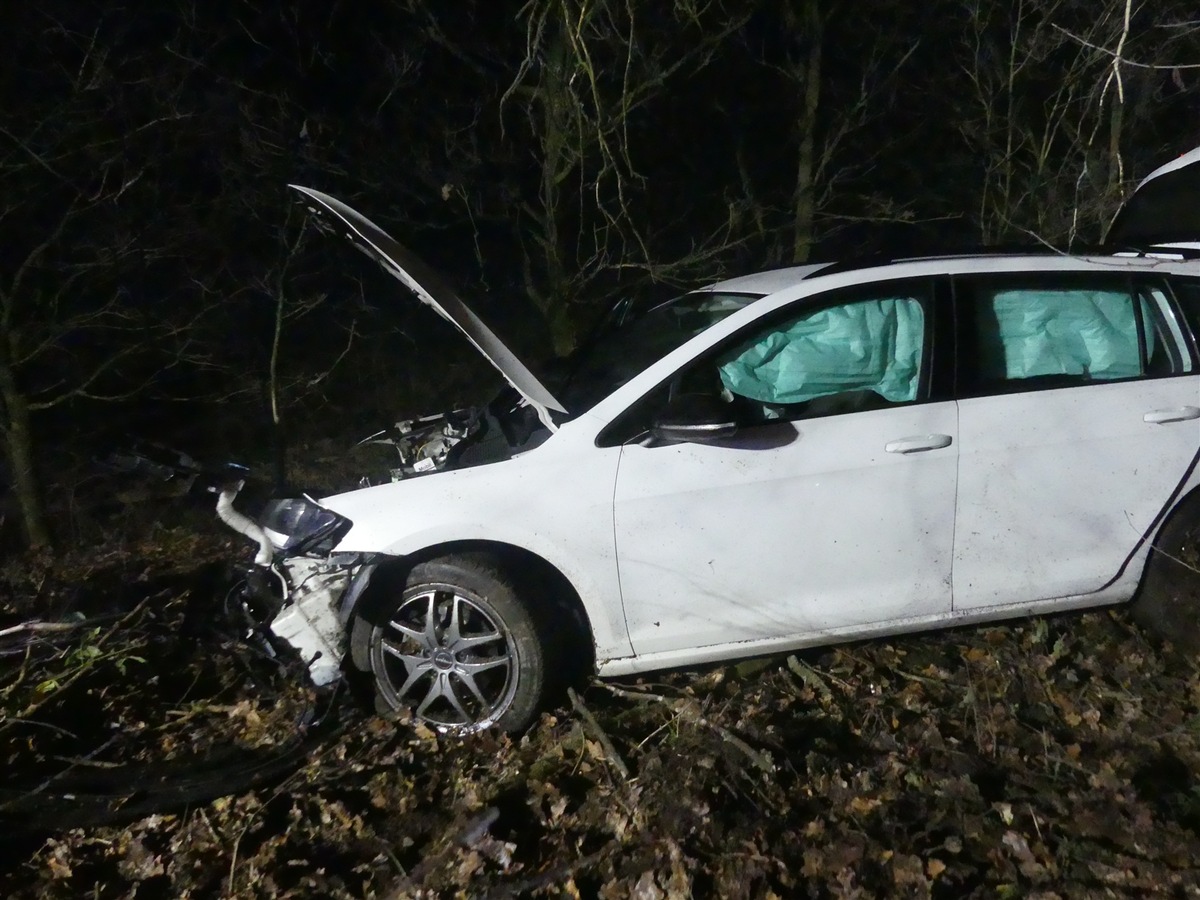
(610, 752)
(809, 676)
(687, 710)
(461, 834)
(39, 627)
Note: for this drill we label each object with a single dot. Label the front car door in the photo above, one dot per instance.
(831, 508)
(1079, 419)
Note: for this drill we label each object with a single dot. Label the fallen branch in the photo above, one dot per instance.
(39, 627)
(809, 676)
(610, 752)
(555, 874)
(687, 710)
(469, 834)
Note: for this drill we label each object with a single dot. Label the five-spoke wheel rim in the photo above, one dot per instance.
(446, 655)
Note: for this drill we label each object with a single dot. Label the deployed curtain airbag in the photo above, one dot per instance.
(872, 345)
(1077, 332)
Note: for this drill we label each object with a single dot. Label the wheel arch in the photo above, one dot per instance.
(1168, 593)
(555, 598)
(1183, 517)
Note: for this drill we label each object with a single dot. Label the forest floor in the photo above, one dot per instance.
(151, 752)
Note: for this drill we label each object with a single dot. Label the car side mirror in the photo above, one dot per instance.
(694, 418)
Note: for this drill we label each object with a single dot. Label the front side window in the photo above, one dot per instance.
(873, 345)
(857, 350)
(1038, 333)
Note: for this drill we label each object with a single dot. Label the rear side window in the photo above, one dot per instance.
(1024, 336)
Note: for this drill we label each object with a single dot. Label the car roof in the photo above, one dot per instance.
(885, 267)
(767, 282)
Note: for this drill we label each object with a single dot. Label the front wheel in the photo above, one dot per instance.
(458, 647)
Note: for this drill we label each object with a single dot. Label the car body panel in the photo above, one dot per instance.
(519, 503)
(786, 529)
(426, 284)
(694, 656)
(1057, 487)
(768, 282)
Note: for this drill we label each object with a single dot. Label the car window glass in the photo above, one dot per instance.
(620, 352)
(866, 353)
(1051, 336)
(1029, 333)
(870, 346)
(1187, 291)
(1166, 346)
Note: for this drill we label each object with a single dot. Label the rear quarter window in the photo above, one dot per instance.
(1187, 291)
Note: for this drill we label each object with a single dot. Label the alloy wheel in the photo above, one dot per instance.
(448, 656)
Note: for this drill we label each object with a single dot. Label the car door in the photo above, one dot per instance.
(831, 507)
(1079, 418)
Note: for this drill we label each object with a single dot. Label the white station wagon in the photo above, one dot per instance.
(782, 460)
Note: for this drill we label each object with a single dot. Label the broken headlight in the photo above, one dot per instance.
(300, 525)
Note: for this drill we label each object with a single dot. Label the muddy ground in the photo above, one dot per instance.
(151, 752)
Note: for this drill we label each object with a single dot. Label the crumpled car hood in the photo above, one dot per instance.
(414, 274)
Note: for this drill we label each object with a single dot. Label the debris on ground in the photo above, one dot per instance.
(148, 751)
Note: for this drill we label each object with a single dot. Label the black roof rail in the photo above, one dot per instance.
(1152, 250)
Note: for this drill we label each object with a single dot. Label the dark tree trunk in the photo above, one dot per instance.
(807, 24)
(19, 448)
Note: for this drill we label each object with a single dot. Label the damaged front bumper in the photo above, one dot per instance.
(297, 587)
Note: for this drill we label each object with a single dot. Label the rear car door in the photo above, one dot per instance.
(1079, 419)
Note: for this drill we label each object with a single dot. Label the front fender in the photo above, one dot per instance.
(556, 506)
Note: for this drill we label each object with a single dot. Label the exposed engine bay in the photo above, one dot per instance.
(470, 436)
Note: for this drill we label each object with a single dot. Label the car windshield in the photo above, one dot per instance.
(619, 352)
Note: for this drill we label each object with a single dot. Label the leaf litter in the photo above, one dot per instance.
(150, 753)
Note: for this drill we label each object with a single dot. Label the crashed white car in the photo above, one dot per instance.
(782, 460)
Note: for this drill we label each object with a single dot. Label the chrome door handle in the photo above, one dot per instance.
(1178, 414)
(920, 443)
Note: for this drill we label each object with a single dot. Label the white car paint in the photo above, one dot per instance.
(791, 528)
(807, 531)
(1056, 488)
(554, 501)
(690, 553)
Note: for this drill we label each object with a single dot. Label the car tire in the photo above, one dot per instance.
(457, 645)
(1167, 603)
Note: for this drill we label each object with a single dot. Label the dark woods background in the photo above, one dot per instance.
(158, 279)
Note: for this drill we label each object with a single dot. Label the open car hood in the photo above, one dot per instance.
(1165, 208)
(431, 289)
